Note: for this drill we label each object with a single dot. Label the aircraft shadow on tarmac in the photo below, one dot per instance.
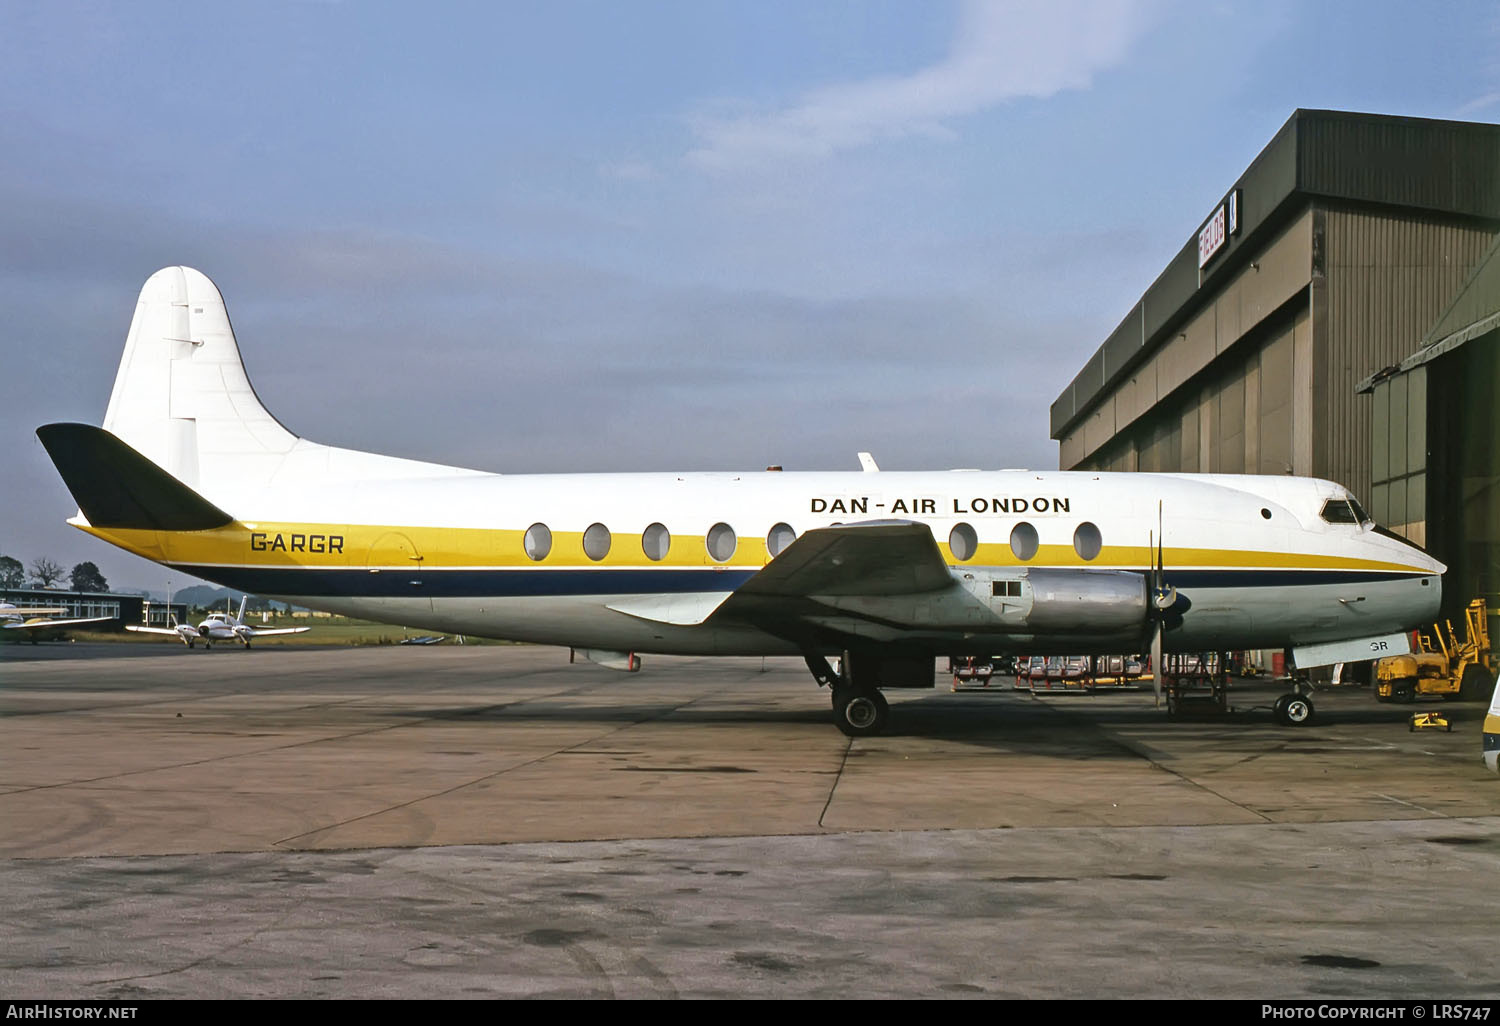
(986, 720)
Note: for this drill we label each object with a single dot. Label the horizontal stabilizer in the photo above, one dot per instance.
(115, 486)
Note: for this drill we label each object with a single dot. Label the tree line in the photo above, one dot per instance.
(46, 573)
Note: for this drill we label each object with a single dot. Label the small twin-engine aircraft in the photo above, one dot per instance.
(885, 571)
(218, 627)
(32, 618)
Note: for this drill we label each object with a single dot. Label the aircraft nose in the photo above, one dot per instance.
(1414, 557)
(1426, 561)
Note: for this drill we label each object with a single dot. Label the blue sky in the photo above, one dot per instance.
(695, 235)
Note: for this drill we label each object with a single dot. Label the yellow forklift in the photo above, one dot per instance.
(1442, 665)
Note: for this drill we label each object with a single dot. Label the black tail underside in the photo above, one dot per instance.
(115, 486)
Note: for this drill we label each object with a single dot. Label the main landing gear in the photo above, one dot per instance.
(859, 709)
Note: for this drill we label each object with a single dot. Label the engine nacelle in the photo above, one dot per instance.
(997, 609)
(1099, 600)
(1049, 601)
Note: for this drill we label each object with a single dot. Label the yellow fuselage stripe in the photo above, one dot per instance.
(352, 546)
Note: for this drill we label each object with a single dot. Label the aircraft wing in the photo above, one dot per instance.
(171, 632)
(875, 557)
(871, 558)
(34, 624)
(261, 632)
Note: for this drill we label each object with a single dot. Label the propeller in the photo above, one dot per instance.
(1163, 597)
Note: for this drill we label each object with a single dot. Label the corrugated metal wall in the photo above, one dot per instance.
(1242, 419)
(1388, 277)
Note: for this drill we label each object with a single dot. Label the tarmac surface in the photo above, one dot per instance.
(448, 821)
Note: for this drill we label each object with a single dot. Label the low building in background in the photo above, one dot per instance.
(123, 609)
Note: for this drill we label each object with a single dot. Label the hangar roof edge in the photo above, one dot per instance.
(1389, 160)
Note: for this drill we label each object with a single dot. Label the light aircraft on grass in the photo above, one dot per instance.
(218, 627)
(33, 618)
(885, 571)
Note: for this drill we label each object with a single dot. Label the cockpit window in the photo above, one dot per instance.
(1359, 513)
(1341, 511)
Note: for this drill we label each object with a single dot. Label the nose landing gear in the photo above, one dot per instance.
(1293, 709)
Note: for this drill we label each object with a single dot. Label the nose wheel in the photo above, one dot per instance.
(1293, 709)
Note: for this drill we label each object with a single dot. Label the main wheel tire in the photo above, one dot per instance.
(1297, 710)
(860, 713)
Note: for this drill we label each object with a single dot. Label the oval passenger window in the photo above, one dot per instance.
(596, 542)
(1087, 541)
(655, 541)
(963, 542)
(721, 542)
(538, 541)
(1023, 541)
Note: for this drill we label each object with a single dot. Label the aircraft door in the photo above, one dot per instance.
(397, 572)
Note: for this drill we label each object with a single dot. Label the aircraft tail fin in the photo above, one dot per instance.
(115, 486)
(182, 400)
(181, 397)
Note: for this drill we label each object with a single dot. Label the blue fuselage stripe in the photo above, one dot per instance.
(467, 583)
(506, 583)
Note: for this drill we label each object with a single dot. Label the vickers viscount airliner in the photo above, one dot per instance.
(883, 570)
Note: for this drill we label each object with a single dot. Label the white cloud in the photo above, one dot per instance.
(1001, 51)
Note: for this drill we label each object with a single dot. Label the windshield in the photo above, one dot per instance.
(1344, 511)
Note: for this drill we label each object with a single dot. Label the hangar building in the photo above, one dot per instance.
(1336, 315)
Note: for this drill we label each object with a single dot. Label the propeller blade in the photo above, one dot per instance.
(1156, 668)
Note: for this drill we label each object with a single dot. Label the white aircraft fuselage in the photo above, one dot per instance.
(441, 556)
